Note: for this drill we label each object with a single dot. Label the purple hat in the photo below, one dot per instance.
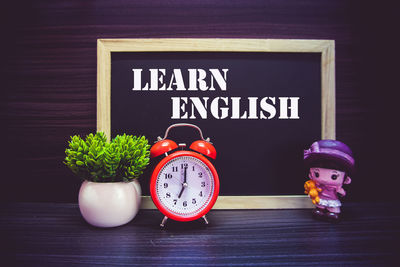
(331, 150)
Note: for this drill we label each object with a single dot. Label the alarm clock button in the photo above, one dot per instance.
(204, 148)
(162, 147)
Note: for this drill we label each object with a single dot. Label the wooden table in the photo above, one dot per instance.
(46, 234)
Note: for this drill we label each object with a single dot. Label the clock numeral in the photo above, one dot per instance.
(174, 168)
(201, 193)
(168, 176)
(200, 174)
(193, 201)
(184, 203)
(192, 168)
(203, 184)
(165, 185)
(184, 165)
(168, 195)
(175, 200)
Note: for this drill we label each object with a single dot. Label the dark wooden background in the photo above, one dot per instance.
(48, 84)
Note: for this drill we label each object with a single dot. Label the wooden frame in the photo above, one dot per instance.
(326, 47)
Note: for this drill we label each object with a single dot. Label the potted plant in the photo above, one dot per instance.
(110, 193)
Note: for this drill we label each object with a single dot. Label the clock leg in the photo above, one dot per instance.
(205, 219)
(164, 220)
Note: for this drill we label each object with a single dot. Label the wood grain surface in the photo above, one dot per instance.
(49, 75)
(46, 234)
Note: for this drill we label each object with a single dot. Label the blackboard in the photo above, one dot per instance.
(256, 156)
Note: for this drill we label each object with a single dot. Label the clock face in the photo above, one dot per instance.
(185, 186)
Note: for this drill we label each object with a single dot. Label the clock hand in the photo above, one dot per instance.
(184, 184)
(180, 193)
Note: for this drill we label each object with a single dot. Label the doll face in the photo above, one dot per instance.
(327, 176)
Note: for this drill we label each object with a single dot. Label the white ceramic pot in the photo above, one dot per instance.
(109, 204)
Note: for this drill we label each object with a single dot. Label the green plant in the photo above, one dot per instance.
(95, 159)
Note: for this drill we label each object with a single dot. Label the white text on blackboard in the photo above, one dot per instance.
(230, 107)
(267, 107)
(197, 80)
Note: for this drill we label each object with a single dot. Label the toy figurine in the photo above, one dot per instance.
(330, 164)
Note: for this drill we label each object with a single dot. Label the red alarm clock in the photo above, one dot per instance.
(184, 185)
